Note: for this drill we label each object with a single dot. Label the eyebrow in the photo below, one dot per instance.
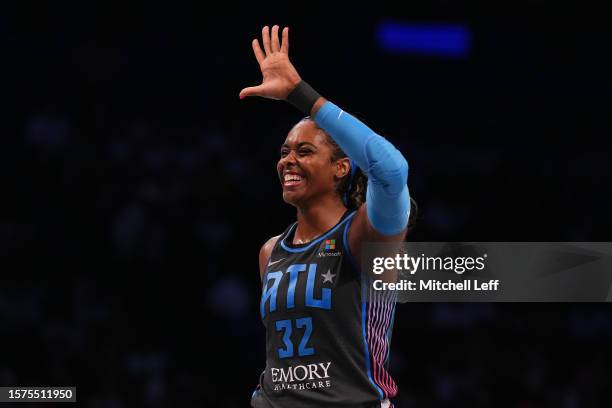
(299, 145)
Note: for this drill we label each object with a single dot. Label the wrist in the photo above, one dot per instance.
(294, 81)
(303, 97)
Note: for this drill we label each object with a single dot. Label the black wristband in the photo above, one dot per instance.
(303, 97)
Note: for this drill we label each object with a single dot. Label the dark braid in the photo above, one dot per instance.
(356, 196)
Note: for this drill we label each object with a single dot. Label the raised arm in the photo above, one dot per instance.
(387, 201)
(384, 217)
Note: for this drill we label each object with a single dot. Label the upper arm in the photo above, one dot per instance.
(385, 215)
(264, 254)
(361, 230)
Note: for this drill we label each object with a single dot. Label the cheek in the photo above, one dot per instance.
(324, 173)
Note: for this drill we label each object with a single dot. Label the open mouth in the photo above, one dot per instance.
(292, 179)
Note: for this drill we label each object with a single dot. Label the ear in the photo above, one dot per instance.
(343, 167)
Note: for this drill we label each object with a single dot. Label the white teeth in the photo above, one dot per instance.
(292, 177)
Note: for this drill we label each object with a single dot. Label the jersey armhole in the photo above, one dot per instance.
(347, 247)
(263, 275)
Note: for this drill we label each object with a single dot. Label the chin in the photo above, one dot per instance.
(292, 197)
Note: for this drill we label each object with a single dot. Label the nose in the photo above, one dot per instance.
(290, 158)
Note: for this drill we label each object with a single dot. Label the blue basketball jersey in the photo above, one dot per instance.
(327, 339)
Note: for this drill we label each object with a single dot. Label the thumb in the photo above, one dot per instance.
(251, 91)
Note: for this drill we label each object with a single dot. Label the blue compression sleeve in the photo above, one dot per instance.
(388, 200)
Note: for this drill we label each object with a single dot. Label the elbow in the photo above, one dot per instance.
(399, 179)
(392, 175)
(386, 164)
(403, 168)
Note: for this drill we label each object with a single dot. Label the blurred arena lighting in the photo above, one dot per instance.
(424, 39)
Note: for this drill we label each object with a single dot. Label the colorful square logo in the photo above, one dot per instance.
(330, 244)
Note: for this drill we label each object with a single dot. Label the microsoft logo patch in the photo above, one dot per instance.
(330, 244)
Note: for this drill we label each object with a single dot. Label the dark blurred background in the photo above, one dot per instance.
(136, 191)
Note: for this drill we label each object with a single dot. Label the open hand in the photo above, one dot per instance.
(279, 75)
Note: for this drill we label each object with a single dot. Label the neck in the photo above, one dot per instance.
(317, 218)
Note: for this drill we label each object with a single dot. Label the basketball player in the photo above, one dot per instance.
(327, 343)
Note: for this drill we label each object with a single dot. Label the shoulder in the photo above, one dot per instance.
(264, 254)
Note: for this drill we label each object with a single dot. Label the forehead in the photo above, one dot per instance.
(306, 132)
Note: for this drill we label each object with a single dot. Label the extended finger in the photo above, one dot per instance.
(258, 52)
(285, 43)
(275, 41)
(251, 91)
(265, 34)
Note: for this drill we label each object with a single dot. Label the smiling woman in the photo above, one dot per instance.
(350, 185)
(307, 167)
(327, 343)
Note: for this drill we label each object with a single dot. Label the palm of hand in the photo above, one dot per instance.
(276, 70)
(279, 75)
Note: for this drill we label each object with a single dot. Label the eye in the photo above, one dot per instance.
(284, 152)
(304, 152)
